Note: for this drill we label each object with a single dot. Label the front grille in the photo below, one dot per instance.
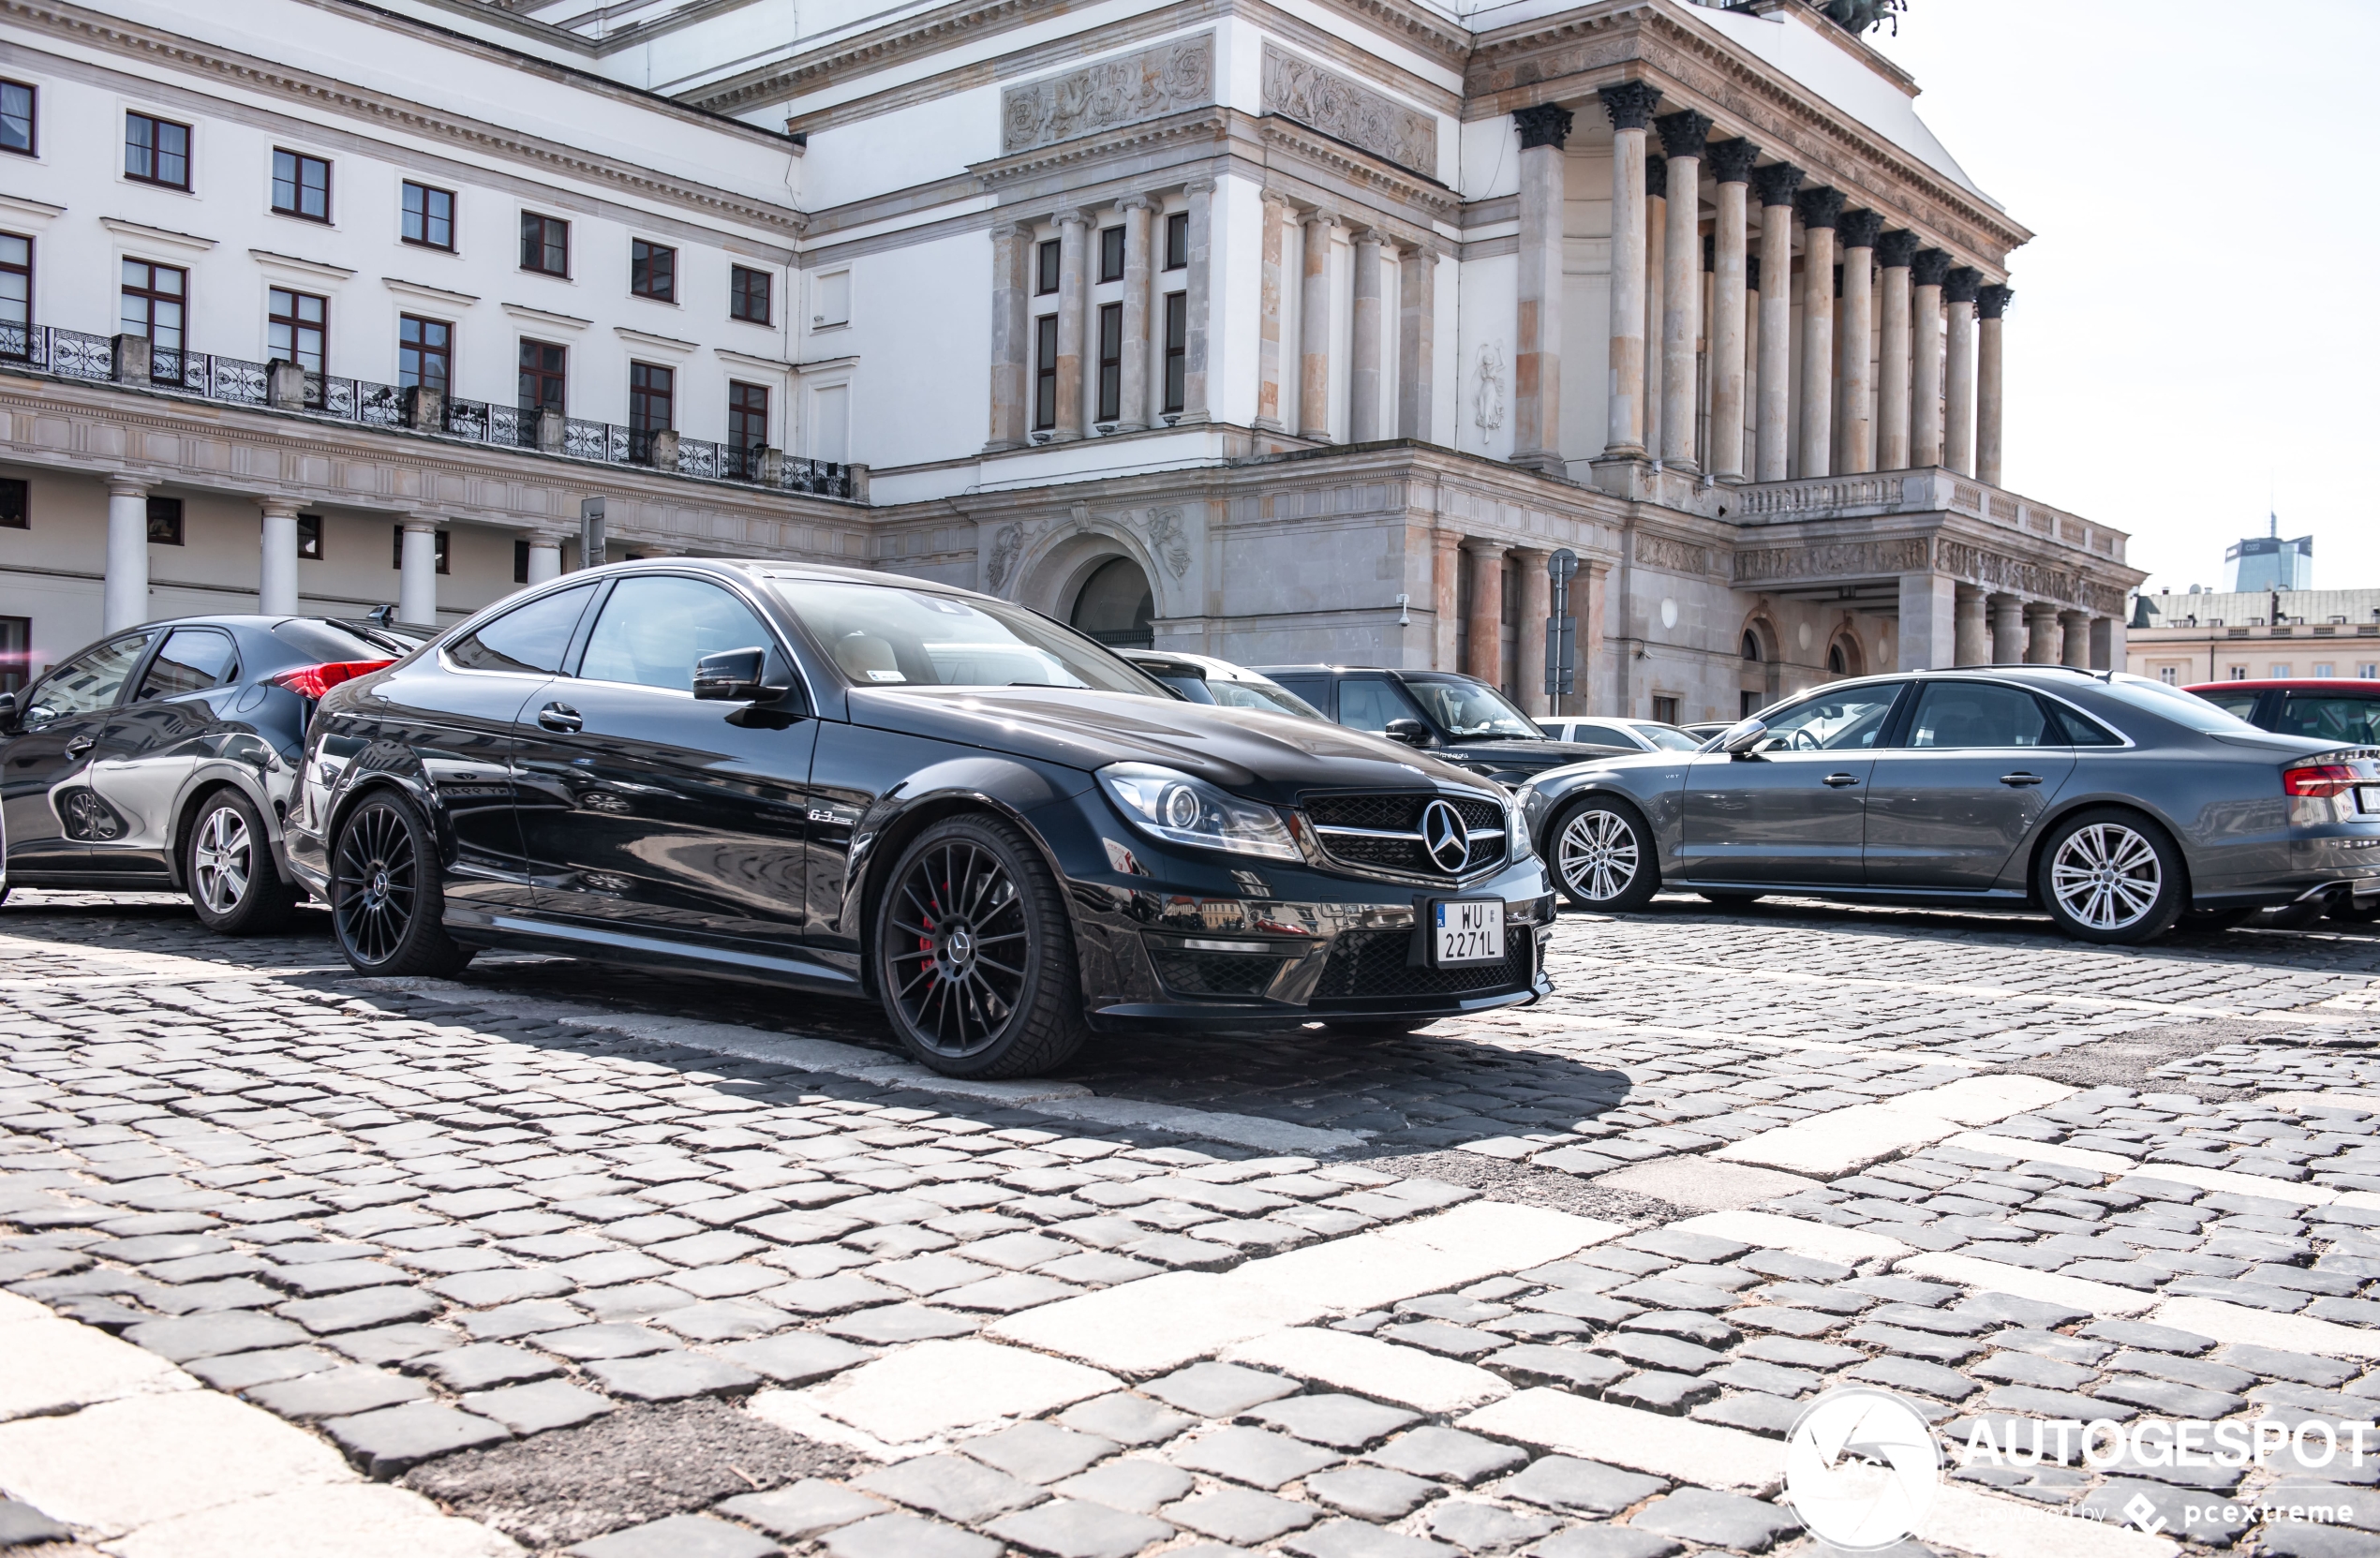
(1400, 814)
(1232, 974)
(1376, 964)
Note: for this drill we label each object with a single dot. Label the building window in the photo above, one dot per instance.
(545, 244)
(301, 186)
(165, 521)
(747, 416)
(429, 216)
(1665, 710)
(398, 558)
(1178, 240)
(1045, 280)
(1045, 372)
(1110, 361)
(309, 538)
(520, 562)
(2277, 670)
(2238, 673)
(542, 364)
(830, 300)
(652, 389)
(296, 325)
(1177, 346)
(2324, 669)
(156, 151)
(16, 120)
(154, 296)
(1112, 254)
(652, 271)
(16, 293)
(424, 353)
(2170, 676)
(16, 653)
(15, 511)
(2367, 672)
(750, 294)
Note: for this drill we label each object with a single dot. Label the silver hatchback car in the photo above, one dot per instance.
(2114, 803)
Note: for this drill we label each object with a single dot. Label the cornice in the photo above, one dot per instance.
(433, 294)
(669, 344)
(546, 317)
(321, 270)
(1189, 127)
(23, 210)
(148, 234)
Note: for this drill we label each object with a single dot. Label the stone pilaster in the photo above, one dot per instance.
(1446, 599)
(1277, 215)
(1198, 302)
(1773, 443)
(1417, 289)
(1894, 252)
(1012, 244)
(1314, 326)
(1537, 358)
(1630, 107)
(1958, 410)
(1074, 298)
(1483, 645)
(1132, 399)
(1731, 165)
(1855, 231)
(1683, 137)
(1990, 303)
(1820, 209)
(1363, 341)
(1657, 233)
(1928, 622)
(1528, 651)
(1926, 273)
(1974, 627)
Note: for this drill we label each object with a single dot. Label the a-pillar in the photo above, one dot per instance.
(1820, 209)
(1012, 246)
(1854, 451)
(1363, 341)
(1990, 303)
(1927, 273)
(1683, 136)
(1483, 648)
(417, 574)
(1773, 443)
(1446, 599)
(276, 589)
(2007, 629)
(1731, 165)
(1276, 221)
(1928, 621)
(2044, 641)
(1132, 399)
(1074, 292)
(1417, 287)
(1894, 251)
(1537, 357)
(1975, 629)
(1528, 652)
(2074, 643)
(1314, 327)
(1631, 106)
(1958, 407)
(544, 557)
(125, 592)
(1197, 301)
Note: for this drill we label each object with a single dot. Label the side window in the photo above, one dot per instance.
(1977, 714)
(87, 683)
(192, 660)
(1314, 690)
(2350, 719)
(531, 638)
(1368, 705)
(2241, 704)
(655, 628)
(2081, 730)
(1841, 722)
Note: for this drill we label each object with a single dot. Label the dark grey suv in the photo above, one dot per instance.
(2115, 803)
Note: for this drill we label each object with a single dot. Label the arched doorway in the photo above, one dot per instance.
(1116, 606)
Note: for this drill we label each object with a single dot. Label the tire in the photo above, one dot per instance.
(1729, 900)
(2120, 876)
(1369, 1031)
(2208, 921)
(385, 900)
(227, 869)
(964, 886)
(1601, 853)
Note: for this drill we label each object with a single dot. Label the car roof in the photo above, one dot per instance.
(2311, 684)
(1274, 672)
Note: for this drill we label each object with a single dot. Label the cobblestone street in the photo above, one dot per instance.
(638, 1267)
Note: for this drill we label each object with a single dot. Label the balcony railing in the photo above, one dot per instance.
(73, 354)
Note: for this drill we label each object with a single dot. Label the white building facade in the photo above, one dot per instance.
(1283, 332)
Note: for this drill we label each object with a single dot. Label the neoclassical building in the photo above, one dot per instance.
(1282, 329)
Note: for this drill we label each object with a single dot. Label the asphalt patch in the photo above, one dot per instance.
(2133, 1060)
(637, 1464)
(1502, 1179)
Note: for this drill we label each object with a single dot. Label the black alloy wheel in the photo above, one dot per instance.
(974, 953)
(227, 869)
(1602, 856)
(385, 901)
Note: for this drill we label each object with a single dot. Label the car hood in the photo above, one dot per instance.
(1263, 756)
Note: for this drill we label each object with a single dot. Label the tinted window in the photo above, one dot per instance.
(2327, 717)
(882, 635)
(2081, 730)
(1368, 704)
(328, 642)
(532, 638)
(654, 629)
(1975, 714)
(1468, 708)
(1599, 736)
(2241, 705)
(1193, 689)
(88, 682)
(191, 661)
(1840, 722)
(1313, 690)
(2186, 709)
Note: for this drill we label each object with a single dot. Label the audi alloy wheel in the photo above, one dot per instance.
(2111, 876)
(1602, 856)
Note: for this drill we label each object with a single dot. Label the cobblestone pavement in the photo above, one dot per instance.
(627, 1266)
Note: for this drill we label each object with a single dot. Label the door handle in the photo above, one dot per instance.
(2017, 781)
(560, 716)
(1839, 780)
(80, 745)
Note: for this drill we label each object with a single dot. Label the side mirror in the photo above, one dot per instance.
(1743, 737)
(1411, 731)
(733, 675)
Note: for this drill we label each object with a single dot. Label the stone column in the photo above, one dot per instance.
(1012, 246)
(1731, 165)
(2073, 647)
(1990, 303)
(1198, 301)
(1074, 297)
(1958, 410)
(1132, 397)
(1975, 629)
(2108, 644)
(2007, 630)
(544, 556)
(1363, 341)
(1446, 602)
(1749, 458)
(1314, 326)
(124, 593)
(1854, 451)
(417, 574)
(1773, 447)
(1417, 286)
(2045, 639)
(1529, 653)
(1820, 209)
(1926, 273)
(1276, 213)
(1536, 353)
(1928, 622)
(276, 589)
(1483, 648)
(1656, 208)
(1683, 136)
(1894, 251)
(1630, 107)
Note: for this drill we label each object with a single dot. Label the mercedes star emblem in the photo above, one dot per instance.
(1446, 837)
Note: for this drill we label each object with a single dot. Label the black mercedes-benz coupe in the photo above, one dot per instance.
(870, 785)
(1460, 720)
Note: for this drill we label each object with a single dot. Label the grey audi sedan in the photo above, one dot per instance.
(2116, 804)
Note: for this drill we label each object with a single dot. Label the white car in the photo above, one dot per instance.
(1645, 735)
(1204, 679)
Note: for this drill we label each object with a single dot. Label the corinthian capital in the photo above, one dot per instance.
(1543, 124)
(1930, 268)
(1683, 133)
(1856, 230)
(1630, 104)
(1962, 285)
(1992, 301)
(1777, 182)
(1819, 208)
(1894, 249)
(1731, 161)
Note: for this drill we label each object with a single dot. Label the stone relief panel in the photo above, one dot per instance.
(1911, 554)
(1127, 90)
(1670, 556)
(1325, 100)
(1487, 388)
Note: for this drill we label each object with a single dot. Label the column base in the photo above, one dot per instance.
(1317, 434)
(1263, 425)
(1545, 462)
(1622, 475)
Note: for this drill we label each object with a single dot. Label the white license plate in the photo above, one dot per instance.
(1467, 930)
(2368, 799)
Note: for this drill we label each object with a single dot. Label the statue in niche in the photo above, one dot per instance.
(1487, 397)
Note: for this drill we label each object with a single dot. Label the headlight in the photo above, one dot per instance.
(1516, 824)
(1180, 810)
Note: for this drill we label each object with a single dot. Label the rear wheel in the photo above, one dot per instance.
(1602, 856)
(974, 953)
(228, 869)
(2111, 876)
(385, 903)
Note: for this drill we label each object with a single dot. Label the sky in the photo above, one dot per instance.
(2191, 344)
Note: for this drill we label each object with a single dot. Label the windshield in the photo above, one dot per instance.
(1669, 738)
(1193, 689)
(1471, 711)
(2186, 709)
(1261, 695)
(884, 635)
(342, 641)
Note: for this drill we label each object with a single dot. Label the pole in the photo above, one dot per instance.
(1562, 630)
(590, 532)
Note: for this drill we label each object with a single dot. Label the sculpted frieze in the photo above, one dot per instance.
(1325, 100)
(1673, 556)
(1113, 93)
(1908, 554)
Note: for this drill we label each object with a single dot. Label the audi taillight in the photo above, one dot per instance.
(312, 681)
(2319, 779)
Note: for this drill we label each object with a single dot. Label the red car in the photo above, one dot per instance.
(2345, 709)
